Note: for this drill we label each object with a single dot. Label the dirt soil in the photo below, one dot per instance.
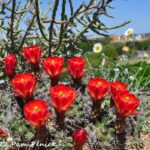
(145, 139)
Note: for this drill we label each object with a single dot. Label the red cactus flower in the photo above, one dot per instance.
(62, 98)
(117, 87)
(10, 64)
(79, 138)
(53, 66)
(36, 112)
(97, 88)
(126, 104)
(76, 67)
(24, 85)
(3, 133)
(32, 54)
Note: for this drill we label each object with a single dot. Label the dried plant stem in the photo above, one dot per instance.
(29, 99)
(78, 147)
(120, 124)
(77, 83)
(54, 81)
(96, 108)
(20, 102)
(60, 117)
(36, 70)
(41, 134)
(112, 104)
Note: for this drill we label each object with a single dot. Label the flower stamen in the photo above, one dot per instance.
(36, 108)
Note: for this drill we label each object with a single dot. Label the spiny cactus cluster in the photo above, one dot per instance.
(94, 113)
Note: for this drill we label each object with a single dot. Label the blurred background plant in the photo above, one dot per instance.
(27, 22)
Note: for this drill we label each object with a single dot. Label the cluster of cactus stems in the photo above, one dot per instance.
(36, 111)
(23, 21)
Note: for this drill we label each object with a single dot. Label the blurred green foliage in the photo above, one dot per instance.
(86, 46)
(141, 71)
(93, 59)
(107, 44)
(139, 45)
(118, 46)
(111, 52)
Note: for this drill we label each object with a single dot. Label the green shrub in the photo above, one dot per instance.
(110, 52)
(130, 44)
(139, 45)
(132, 52)
(86, 46)
(142, 72)
(93, 59)
(145, 44)
(104, 41)
(119, 46)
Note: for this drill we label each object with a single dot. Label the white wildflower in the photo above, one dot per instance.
(129, 32)
(97, 48)
(131, 78)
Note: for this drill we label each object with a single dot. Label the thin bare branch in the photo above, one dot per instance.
(51, 25)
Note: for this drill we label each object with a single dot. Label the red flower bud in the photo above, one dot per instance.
(79, 138)
(62, 97)
(36, 112)
(126, 103)
(76, 67)
(117, 87)
(32, 54)
(3, 133)
(24, 85)
(53, 66)
(10, 64)
(97, 88)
